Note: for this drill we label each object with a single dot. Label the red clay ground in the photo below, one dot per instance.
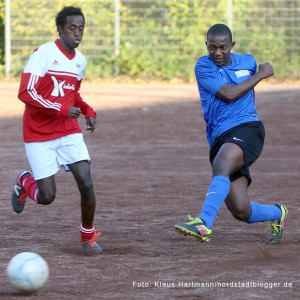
(150, 169)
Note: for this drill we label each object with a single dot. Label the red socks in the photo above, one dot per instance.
(87, 232)
(30, 187)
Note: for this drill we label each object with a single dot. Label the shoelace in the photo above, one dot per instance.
(95, 236)
(20, 193)
(191, 220)
(274, 228)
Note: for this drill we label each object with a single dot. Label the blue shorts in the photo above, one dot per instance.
(250, 137)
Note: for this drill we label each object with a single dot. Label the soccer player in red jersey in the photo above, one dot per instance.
(49, 87)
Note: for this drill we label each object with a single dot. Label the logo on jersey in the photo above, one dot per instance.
(59, 87)
(55, 63)
(242, 73)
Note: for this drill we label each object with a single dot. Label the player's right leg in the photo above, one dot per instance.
(194, 227)
(230, 157)
(19, 194)
(39, 185)
(41, 191)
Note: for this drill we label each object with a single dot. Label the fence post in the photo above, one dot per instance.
(116, 36)
(7, 39)
(229, 13)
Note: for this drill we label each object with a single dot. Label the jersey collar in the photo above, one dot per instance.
(63, 50)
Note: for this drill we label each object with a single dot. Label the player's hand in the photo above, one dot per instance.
(266, 69)
(74, 112)
(90, 124)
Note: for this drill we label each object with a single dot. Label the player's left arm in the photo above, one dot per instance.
(86, 110)
(230, 93)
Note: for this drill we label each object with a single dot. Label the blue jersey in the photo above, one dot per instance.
(219, 115)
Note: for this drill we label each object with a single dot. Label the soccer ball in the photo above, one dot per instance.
(27, 271)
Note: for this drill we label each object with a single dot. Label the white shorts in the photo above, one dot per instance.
(46, 158)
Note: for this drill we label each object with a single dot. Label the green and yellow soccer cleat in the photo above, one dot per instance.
(194, 227)
(276, 227)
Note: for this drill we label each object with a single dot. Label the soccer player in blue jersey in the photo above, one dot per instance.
(235, 136)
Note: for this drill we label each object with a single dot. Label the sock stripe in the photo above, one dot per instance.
(87, 230)
(35, 195)
(23, 182)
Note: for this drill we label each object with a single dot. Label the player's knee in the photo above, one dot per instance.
(46, 198)
(86, 185)
(240, 214)
(220, 170)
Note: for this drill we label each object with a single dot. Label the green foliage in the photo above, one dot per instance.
(267, 39)
(158, 38)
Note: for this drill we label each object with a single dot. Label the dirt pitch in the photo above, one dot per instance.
(150, 169)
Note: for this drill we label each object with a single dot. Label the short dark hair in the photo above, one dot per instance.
(61, 18)
(219, 29)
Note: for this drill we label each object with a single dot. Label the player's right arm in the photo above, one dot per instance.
(32, 82)
(29, 95)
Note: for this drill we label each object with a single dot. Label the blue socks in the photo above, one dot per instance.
(262, 212)
(217, 193)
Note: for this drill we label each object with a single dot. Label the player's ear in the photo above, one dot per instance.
(232, 45)
(59, 29)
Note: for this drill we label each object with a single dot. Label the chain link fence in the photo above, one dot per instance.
(159, 38)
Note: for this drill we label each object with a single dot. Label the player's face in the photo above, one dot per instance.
(219, 48)
(71, 34)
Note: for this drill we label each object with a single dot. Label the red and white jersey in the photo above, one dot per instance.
(50, 83)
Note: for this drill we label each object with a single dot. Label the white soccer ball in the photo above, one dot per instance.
(27, 271)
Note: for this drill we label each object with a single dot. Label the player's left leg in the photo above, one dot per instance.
(81, 173)
(237, 201)
(242, 209)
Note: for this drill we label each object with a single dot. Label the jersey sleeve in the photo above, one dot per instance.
(250, 63)
(31, 78)
(86, 110)
(208, 76)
